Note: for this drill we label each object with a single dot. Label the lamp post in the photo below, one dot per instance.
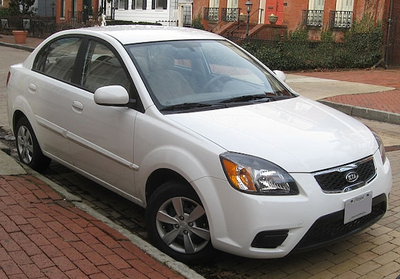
(248, 7)
(52, 9)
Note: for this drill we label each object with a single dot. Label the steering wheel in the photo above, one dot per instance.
(221, 79)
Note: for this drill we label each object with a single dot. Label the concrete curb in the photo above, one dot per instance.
(22, 47)
(371, 114)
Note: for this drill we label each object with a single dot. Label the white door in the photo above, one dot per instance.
(53, 70)
(101, 137)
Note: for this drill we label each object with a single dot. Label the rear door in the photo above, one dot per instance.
(51, 83)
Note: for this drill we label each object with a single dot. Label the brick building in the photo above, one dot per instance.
(224, 16)
(76, 11)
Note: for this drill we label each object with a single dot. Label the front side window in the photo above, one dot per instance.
(205, 73)
(102, 68)
(58, 58)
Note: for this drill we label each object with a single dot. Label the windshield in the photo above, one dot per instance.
(203, 74)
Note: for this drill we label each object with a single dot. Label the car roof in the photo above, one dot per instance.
(130, 34)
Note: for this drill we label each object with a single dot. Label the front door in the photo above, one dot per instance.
(101, 138)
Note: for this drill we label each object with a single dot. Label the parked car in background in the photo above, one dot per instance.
(217, 148)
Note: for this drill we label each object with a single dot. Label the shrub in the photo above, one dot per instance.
(361, 47)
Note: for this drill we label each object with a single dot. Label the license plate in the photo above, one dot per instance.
(357, 207)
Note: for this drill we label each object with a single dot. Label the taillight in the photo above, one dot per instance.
(8, 78)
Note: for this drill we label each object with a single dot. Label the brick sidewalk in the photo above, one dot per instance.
(385, 101)
(42, 235)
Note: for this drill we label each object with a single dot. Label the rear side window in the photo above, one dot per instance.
(57, 60)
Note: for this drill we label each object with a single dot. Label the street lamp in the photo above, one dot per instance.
(248, 7)
(52, 9)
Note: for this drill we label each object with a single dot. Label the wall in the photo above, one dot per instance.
(395, 35)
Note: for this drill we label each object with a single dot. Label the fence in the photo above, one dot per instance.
(40, 27)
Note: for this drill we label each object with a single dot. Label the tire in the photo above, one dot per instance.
(177, 223)
(28, 147)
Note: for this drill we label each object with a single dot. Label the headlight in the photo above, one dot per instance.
(257, 176)
(381, 146)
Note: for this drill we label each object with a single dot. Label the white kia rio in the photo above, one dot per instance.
(216, 147)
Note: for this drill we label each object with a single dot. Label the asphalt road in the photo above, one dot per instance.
(373, 253)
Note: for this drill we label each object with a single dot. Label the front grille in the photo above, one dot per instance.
(338, 180)
(331, 228)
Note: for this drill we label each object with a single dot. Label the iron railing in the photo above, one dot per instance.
(211, 14)
(340, 19)
(313, 18)
(230, 14)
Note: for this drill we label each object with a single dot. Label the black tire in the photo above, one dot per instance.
(177, 223)
(28, 148)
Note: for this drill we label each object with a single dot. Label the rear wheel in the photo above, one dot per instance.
(28, 147)
(177, 223)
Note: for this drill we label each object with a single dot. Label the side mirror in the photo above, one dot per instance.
(281, 75)
(111, 95)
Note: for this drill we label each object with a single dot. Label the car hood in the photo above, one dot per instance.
(298, 134)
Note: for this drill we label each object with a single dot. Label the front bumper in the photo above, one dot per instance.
(259, 226)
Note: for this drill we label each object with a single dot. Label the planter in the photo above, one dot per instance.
(20, 36)
(272, 18)
(242, 17)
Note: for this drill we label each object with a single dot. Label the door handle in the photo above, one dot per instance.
(77, 106)
(32, 87)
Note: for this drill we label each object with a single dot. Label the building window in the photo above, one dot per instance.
(159, 4)
(343, 16)
(212, 12)
(313, 17)
(62, 7)
(139, 5)
(123, 4)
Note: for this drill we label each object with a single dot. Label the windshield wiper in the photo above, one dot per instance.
(246, 98)
(185, 106)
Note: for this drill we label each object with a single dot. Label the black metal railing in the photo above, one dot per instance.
(211, 14)
(230, 14)
(340, 19)
(313, 18)
(231, 33)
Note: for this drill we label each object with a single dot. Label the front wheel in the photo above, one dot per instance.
(28, 147)
(177, 223)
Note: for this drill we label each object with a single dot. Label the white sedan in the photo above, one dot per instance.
(216, 147)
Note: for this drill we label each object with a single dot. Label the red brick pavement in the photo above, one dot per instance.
(42, 235)
(385, 101)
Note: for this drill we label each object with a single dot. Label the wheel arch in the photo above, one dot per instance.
(16, 117)
(159, 177)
